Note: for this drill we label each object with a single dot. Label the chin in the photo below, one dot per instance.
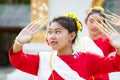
(94, 33)
(54, 48)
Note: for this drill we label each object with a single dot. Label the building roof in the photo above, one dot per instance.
(14, 15)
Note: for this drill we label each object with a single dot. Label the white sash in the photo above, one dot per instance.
(86, 44)
(114, 76)
(44, 71)
(58, 65)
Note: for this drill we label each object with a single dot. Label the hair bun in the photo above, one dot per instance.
(74, 17)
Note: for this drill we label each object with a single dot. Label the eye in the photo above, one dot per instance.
(49, 32)
(99, 22)
(57, 32)
(91, 20)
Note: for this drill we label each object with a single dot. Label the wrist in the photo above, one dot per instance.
(18, 42)
(118, 50)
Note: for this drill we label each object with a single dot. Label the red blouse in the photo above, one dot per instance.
(104, 45)
(85, 64)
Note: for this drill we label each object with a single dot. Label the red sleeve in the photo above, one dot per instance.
(110, 64)
(101, 66)
(104, 45)
(25, 62)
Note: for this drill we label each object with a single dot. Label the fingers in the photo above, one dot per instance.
(105, 27)
(113, 14)
(112, 18)
(33, 28)
(110, 15)
(28, 32)
(39, 21)
(37, 24)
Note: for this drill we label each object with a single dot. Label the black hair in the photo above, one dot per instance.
(94, 11)
(67, 23)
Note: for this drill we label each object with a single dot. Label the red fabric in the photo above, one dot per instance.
(99, 77)
(104, 45)
(25, 62)
(85, 64)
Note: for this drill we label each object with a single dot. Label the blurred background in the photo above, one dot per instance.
(16, 14)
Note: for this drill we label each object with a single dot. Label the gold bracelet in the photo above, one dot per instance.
(17, 42)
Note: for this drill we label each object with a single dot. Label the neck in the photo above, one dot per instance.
(65, 51)
(94, 37)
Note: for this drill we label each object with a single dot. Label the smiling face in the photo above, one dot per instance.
(59, 37)
(92, 27)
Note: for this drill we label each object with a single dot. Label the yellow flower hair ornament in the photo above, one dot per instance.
(79, 25)
(74, 17)
(96, 8)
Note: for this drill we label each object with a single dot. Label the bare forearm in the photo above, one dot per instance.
(118, 51)
(17, 46)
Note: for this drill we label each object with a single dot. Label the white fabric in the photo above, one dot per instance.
(58, 65)
(86, 44)
(114, 76)
(19, 75)
(44, 71)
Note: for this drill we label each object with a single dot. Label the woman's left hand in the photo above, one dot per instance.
(113, 18)
(110, 32)
(115, 21)
(115, 39)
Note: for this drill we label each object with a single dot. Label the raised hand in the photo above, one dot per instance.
(109, 31)
(28, 32)
(113, 18)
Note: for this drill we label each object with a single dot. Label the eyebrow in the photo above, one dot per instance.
(91, 18)
(55, 29)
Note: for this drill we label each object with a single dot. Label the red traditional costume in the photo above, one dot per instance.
(104, 45)
(85, 64)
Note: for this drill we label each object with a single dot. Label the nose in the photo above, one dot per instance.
(52, 36)
(95, 25)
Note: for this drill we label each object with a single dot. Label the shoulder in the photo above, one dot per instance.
(90, 56)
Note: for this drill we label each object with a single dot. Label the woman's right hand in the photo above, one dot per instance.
(23, 37)
(26, 34)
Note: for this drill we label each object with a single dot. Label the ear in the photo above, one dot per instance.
(72, 35)
(85, 21)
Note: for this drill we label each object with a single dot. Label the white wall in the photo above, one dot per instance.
(79, 7)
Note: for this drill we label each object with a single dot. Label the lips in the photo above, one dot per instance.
(52, 43)
(94, 30)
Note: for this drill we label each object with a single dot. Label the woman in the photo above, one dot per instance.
(95, 34)
(100, 42)
(62, 64)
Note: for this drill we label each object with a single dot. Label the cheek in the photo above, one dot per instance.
(62, 37)
(88, 26)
